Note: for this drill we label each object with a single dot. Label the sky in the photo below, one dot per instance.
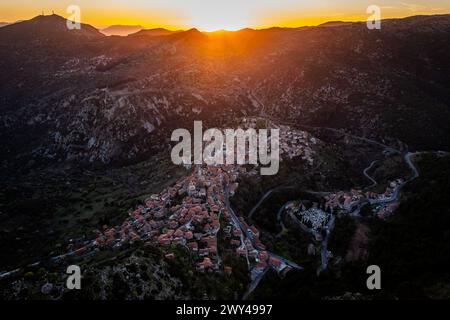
(208, 15)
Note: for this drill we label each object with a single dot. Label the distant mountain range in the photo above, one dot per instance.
(80, 95)
(120, 30)
(154, 32)
(335, 24)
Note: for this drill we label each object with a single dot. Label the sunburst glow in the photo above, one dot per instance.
(214, 15)
(211, 15)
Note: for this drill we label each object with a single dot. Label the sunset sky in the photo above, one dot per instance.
(218, 14)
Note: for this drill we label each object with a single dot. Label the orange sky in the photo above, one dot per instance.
(217, 14)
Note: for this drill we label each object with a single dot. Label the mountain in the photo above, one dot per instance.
(51, 28)
(334, 24)
(153, 32)
(101, 94)
(121, 30)
(3, 24)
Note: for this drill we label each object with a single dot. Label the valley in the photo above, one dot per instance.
(87, 176)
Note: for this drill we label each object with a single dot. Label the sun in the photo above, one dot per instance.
(213, 15)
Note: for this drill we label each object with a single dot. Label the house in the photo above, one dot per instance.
(193, 246)
(227, 230)
(259, 245)
(253, 254)
(254, 231)
(227, 270)
(215, 223)
(286, 270)
(164, 240)
(261, 265)
(263, 256)
(274, 262)
(206, 263)
(170, 256)
(181, 241)
(173, 224)
(213, 249)
(236, 243)
(198, 236)
(135, 237)
(178, 233)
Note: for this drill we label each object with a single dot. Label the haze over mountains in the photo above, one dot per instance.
(120, 30)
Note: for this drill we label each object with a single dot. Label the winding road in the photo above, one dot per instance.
(246, 232)
(353, 211)
(366, 174)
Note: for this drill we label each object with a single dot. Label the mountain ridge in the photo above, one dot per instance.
(342, 77)
(47, 28)
(121, 30)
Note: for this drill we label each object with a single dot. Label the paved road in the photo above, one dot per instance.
(366, 174)
(324, 256)
(244, 231)
(409, 161)
(280, 217)
(255, 284)
(368, 140)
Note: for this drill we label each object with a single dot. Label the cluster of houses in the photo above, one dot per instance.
(385, 211)
(349, 200)
(388, 195)
(192, 212)
(316, 218)
(248, 245)
(297, 143)
(344, 200)
(293, 143)
(187, 214)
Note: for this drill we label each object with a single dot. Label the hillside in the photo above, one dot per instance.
(85, 127)
(345, 76)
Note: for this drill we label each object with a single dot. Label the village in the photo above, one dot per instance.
(384, 203)
(189, 214)
(193, 211)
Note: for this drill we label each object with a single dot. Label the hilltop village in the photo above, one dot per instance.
(193, 211)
